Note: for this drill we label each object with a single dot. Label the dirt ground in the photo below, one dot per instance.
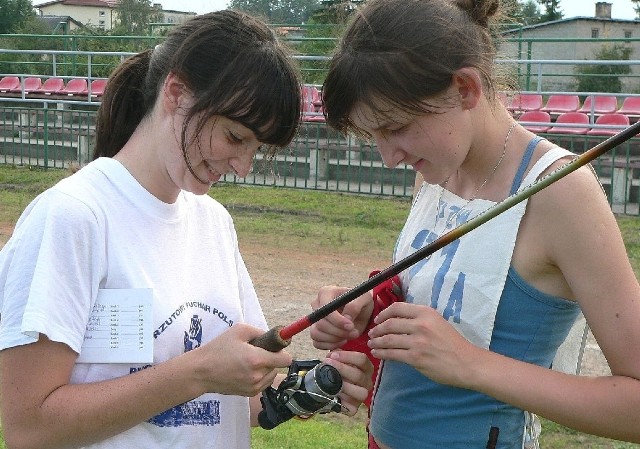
(287, 279)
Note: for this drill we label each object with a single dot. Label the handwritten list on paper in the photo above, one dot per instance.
(119, 329)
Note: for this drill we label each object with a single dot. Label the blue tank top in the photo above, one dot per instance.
(412, 411)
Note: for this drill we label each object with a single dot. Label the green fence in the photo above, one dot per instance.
(60, 135)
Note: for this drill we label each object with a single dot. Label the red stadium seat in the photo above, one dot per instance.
(602, 104)
(575, 118)
(51, 86)
(630, 107)
(9, 83)
(609, 119)
(311, 104)
(31, 84)
(536, 116)
(560, 103)
(525, 102)
(97, 87)
(75, 86)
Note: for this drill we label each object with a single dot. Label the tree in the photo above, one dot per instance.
(134, 17)
(523, 13)
(336, 11)
(277, 11)
(14, 14)
(604, 77)
(530, 12)
(636, 7)
(551, 10)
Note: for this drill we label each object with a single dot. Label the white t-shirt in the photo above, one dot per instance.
(100, 229)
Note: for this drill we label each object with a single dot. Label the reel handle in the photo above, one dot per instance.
(271, 340)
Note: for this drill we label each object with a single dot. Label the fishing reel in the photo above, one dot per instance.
(310, 387)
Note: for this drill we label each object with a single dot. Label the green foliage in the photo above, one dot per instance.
(636, 7)
(134, 17)
(277, 11)
(336, 11)
(604, 77)
(325, 28)
(530, 13)
(551, 10)
(14, 14)
(88, 38)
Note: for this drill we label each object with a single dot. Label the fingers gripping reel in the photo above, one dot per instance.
(310, 387)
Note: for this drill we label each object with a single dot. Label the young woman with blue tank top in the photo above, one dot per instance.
(465, 353)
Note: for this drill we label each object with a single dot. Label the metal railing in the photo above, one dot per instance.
(59, 135)
(59, 132)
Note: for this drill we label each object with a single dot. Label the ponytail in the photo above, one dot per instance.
(124, 104)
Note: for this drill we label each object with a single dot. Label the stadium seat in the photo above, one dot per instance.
(32, 83)
(311, 105)
(575, 118)
(97, 87)
(614, 119)
(602, 104)
(8, 83)
(536, 116)
(630, 107)
(75, 86)
(525, 102)
(560, 103)
(51, 86)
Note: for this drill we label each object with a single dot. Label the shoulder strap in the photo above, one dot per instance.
(544, 162)
(526, 158)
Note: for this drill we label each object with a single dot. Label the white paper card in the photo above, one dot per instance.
(120, 328)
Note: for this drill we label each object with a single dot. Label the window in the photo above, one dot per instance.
(101, 13)
(101, 23)
(628, 34)
(595, 33)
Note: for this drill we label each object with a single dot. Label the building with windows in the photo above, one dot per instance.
(100, 13)
(97, 13)
(576, 38)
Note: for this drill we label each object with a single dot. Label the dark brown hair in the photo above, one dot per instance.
(403, 52)
(233, 65)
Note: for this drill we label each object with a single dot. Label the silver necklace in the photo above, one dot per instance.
(475, 194)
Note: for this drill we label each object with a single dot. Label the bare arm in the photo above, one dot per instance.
(41, 409)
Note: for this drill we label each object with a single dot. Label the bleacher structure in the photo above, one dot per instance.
(49, 121)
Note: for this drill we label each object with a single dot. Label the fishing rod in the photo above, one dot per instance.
(279, 337)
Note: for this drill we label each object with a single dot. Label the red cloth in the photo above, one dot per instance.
(384, 295)
(372, 443)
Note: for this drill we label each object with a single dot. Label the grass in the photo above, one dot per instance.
(338, 223)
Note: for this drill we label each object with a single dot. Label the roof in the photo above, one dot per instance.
(572, 19)
(98, 3)
(53, 21)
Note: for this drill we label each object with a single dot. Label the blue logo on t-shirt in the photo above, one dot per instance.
(193, 338)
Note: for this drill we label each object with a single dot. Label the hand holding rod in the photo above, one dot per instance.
(279, 337)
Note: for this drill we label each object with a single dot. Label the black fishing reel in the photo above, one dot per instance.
(310, 387)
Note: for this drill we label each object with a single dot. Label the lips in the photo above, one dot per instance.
(212, 175)
(418, 165)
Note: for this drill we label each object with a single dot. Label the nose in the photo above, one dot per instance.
(390, 153)
(243, 162)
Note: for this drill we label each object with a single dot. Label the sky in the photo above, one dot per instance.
(621, 9)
